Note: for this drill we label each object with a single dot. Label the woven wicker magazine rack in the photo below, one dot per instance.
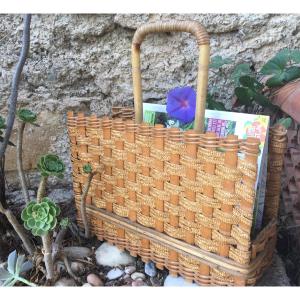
(170, 196)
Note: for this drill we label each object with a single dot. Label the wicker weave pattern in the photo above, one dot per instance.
(212, 193)
(179, 184)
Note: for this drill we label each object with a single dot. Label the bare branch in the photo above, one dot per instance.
(12, 101)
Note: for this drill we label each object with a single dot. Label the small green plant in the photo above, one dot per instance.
(282, 68)
(51, 165)
(285, 122)
(40, 217)
(64, 223)
(26, 116)
(87, 168)
(16, 264)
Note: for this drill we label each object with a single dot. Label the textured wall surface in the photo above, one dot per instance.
(82, 62)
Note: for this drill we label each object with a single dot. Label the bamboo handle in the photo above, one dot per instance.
(202, 38)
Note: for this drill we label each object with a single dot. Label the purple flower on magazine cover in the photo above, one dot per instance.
(181, 104)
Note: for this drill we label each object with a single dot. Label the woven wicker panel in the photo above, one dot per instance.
(176, 183)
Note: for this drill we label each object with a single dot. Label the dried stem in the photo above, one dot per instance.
(57, 245)
(41, 189)
(19, 229)
(68, 267)
(21, 128)
(83, 204)
(12, 101)
(48, 256)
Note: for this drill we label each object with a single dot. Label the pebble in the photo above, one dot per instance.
(138, 275)
(150, 269)
(77, 267)
(60, 266)
(177, 281)
(94, 280)
(130, 269)
(86, 285)
(138, 282)
(114, 274)
(112, 256)
(65, 282)
(75, 252)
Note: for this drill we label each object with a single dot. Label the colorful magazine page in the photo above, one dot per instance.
(224, 123)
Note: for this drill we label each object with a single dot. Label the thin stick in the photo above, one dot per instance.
(19, 229)
(21, 128)
(68, 267)
(12, 101)
(83, 205)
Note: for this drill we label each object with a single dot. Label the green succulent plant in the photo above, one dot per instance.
(87, 168)
(41, 217)
(26, 116)
(16, 265)
(64, 223)
(51, 164)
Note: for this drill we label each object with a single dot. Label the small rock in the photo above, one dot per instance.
(86, 285)
(94, 280)
(127, 281)
(177, 281)
(77, 252)
(114, 274)
(138, 282)
(65, 282)
(60, 266)
(130, 269)
(150, 269)
(155, 282)
(138, 275)
(109, 255)
(77, 267)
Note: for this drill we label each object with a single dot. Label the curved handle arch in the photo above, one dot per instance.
(202, 38)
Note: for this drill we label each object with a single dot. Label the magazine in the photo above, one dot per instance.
(224, 123)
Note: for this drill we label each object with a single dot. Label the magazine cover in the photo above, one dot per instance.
(224, 123)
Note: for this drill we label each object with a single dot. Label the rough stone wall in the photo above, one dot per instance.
(82, 63)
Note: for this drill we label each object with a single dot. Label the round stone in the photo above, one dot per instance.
(94, 280)
(150, 269)
(138, 275)
(130, 269)
(114, 274)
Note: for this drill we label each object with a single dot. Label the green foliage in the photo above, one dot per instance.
(281, 68)
(41, 217)
(64, 223)
(239, 71)
(87, 168)
(249, 91)
(286, 122)
(218, 62)
(2, 125)
(51, 164)
(26, 116)
(213, 104)
(16, 265)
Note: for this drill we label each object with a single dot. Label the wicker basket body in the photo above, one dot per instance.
(173, 197)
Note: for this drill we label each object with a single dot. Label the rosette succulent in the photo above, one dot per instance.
(41, 217)
(87, 168)
(51, 164)
(26, 116)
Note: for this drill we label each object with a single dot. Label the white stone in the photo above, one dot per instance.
(86, 285)
(150, 269)
(114, 274)
(130, 269)
(65, 282)
(138, 275)
(178, 281)
(109, 255)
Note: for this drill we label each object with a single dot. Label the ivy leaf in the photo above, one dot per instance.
(244, 95)
(218, 61)
(263, 100)
(295, 56)
(239, 71)
(291, 73)
(251, 83)
(286, 122)
(276, 80)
